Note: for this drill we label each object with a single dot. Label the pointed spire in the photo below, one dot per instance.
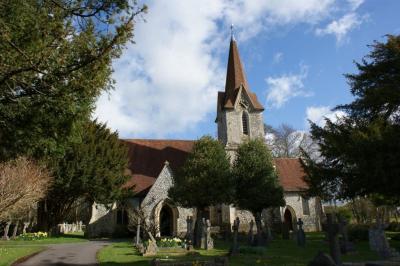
(235, 75)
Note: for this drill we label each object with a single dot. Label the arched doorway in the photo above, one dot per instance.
(288, 219)
(166, 221)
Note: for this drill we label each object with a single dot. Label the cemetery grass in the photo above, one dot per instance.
(279, 252)
(12, 250)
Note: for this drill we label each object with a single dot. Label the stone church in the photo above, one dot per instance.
(152, 164)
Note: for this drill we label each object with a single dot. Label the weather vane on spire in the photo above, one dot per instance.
(232, 36)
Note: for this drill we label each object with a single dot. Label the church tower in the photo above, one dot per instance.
(239, 113)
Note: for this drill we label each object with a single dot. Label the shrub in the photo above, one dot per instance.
(32, 236)
(358, 232)
(169, 242)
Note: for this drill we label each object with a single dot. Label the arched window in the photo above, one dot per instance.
(245, 123)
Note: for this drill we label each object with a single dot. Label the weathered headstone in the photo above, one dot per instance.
(322, 259)
(379, 243)
(332, 229)
(301, 237)
(345, 245)
(189, 232)
(14, 235)
(6, 229)
(209, 239)
(151, 249)
(251, 233)
(80, 227)
(235, 246)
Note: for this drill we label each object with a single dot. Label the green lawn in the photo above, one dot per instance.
(12, 250)
(279, 252)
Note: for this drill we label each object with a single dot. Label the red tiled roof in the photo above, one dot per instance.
(291, 174)
(147, 159)
(235, 77)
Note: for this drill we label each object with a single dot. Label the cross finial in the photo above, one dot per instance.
(232, 36)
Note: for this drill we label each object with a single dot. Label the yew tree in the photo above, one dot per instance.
(256, 180)
(204, 179)
(55, 59)
(361, 151)
(92, 170)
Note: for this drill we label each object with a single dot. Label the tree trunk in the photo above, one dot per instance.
(259, 241)
(198, 227)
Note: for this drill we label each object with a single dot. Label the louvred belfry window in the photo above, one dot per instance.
(245, 123)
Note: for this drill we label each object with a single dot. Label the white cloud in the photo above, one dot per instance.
(167, 82)
(340, 28)
(318, 114)
(277, 57)
(354, 4)
(283, 88)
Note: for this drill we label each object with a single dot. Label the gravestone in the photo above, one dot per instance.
(235, 246)
(379, 243)
(301, 237)
(322, 259)
(151, 249)
(26, 224)
(345, 245)
(209, 239)
(285, 231)
(6, 229)
(332, 229)
(189, 232)
(14, 235)
(251, 233)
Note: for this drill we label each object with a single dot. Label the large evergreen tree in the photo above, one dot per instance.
(204, 179)
(256, 180)
(361, 151)
(55, 59)
(92, 170)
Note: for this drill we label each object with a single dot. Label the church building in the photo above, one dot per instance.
(152, 164)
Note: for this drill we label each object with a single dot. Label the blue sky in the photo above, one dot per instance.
(295, 53)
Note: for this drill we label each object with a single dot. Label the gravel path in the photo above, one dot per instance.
(83, 254)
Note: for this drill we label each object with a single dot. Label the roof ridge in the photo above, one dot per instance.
(188, 140)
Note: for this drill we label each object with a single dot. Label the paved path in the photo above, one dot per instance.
(82, 254)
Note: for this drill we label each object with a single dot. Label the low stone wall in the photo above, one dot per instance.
(215, 262)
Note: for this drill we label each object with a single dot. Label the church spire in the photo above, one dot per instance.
(235, 75)
(236, 78)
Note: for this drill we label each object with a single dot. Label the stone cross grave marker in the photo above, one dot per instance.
(6, 229)
(301, 237)
(209, 239)
(332, 229)
(235, 246)
(251, 233)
